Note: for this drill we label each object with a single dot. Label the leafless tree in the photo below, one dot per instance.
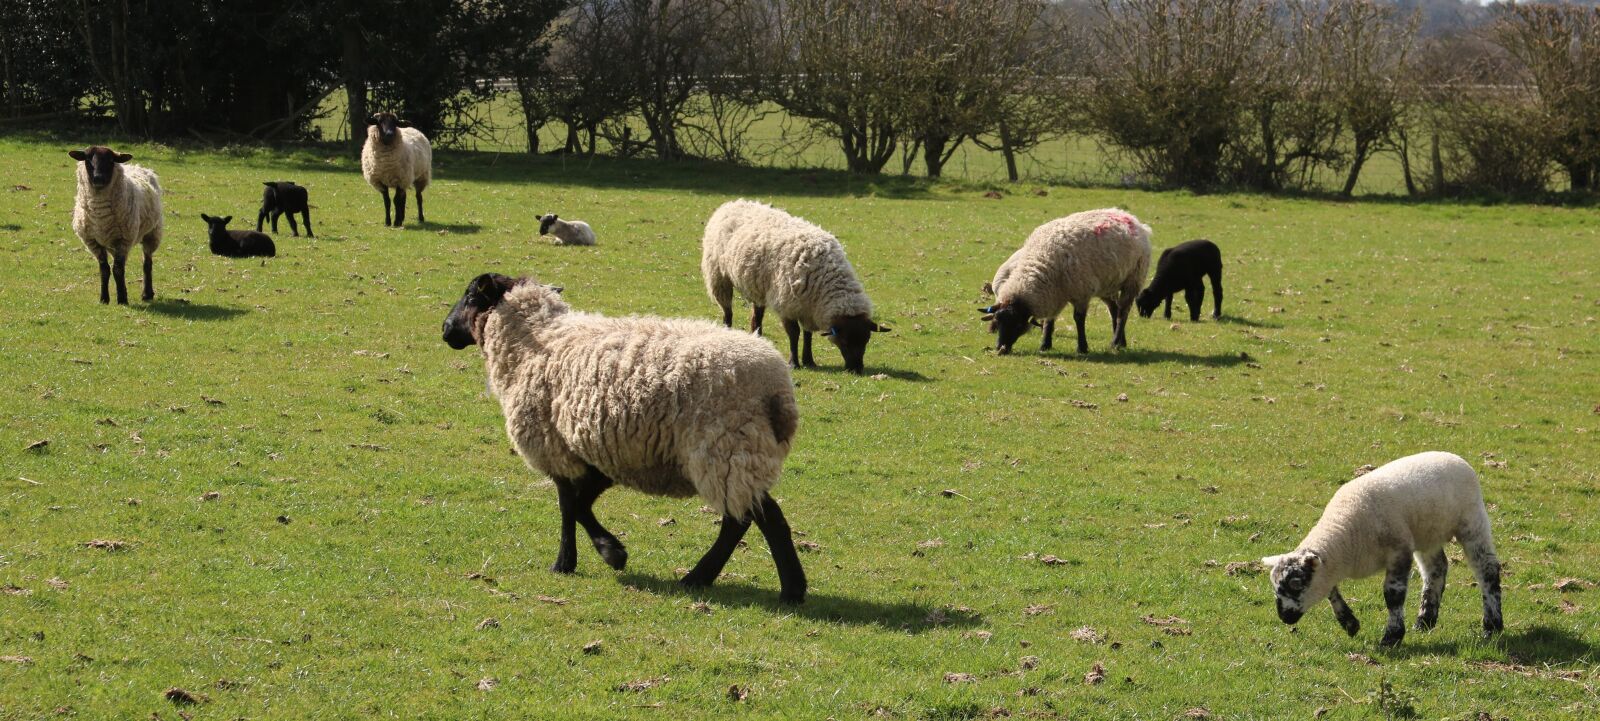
(1555, 50)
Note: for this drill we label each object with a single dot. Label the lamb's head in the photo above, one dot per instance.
(388, 125)
(1008, 319)
(216, 226)
(1298, 582)
(851, 333)
(464, 325)
(100, 164)
(545, 221)
(1147, 302)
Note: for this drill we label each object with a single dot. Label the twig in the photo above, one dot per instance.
(30, 480)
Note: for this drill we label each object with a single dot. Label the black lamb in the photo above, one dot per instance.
(1182, 267)
(237, 243)
(280, 197)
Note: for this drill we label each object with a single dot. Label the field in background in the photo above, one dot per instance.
(368, 519)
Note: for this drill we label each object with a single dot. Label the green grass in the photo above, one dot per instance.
(315, 387)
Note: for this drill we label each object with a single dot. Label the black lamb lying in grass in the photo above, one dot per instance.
(280, 197)
(1182, 267)
(237, 243)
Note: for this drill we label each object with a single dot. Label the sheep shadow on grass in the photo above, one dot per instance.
(895, 373)
(906, 617)
(193, 311)
(1144, 356)
(452, 228)
(1534, 647)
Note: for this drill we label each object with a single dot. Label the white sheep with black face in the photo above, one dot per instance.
(396, 157)
(1407, 509)
(569, 232)
(118, 206)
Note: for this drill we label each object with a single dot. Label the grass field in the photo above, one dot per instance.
(368, 516)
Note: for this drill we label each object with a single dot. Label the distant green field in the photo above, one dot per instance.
(368, 517)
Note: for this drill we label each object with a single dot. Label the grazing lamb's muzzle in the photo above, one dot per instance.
(1289, 615)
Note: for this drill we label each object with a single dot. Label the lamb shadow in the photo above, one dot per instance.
(905, 617)
(456, 228)
(1535, 646)
(10, 226)
(895, 373)
(193, 311)
(1236, 320)
(1145, 356)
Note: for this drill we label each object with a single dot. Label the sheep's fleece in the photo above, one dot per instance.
(409, 161)
(784, 263)
(120, 215)
(669, 407)
(1073, 260)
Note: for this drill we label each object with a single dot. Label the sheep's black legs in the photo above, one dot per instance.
(791, 577)
(710, 566)
(1216, 294)
(567, 553)
(1434, 569)
(149, 293)
(1486, 569)
(1195, 296)
(261, 217)
(1049, 335)
(305, 215)
(1394, 597)
(399, 207)
(1130, 291)
(727, 316)
(805, 352)
(1168, 312)
(119, 270)
(757, 314)
(385, 192)
(105, 275)
(420, 217)
(1079, 315)
(1342, 613)
(607, 545)
(793, 329)
(293, 228)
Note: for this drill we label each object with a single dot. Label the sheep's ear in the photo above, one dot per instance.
(556, 288)
(205, 217)
(876, 328)
(989, 310)
(123, 157)
(1312, 561)
(987, 316)
(78, 154)
(402, 123)
(1271, 561)
(372, 119)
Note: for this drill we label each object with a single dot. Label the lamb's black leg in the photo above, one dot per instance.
(1079, 315)
(399, 207)
(105, 275)
(567, 554)
(1195, 296)
(1049, 335)
(1479, 547)
(293, 227)
(385, 192)
(791, 577)
(275, 215)
(119, 270)
(1342, 613)
(1112, 306)
(793, 329)
(758, 313)
(1168, 312)
(149, 293)
(261, 217)
(1394, 597)
(710, 566)
(606, 544)
(1434, 569)
(805, 351)
(305, 215)
(1216, 293)
(420, 217)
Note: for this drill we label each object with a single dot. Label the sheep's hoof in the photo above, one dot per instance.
(792, 598)
(564, 566)
(613, 553)
(147, 297)
(1392, 637)
(695, 581)
(1426, 623)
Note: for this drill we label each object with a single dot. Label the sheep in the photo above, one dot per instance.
(1183, 266)
(237, 243)
(396, 156)
(117, 205)
(798, 269)
(1096, 253)
(569, 232)
(667, 407)
(283, 196)
(1409, 508)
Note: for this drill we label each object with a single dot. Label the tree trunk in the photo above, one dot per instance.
(1438, 167)
(933, 155)
(1356, 161)
(355, 86)
(1580, 173)
(1008, 151)
(524, 93)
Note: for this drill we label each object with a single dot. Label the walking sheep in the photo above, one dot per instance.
(569, 232)
(117, 205)
(396, 156)
(777, 260)
(282, 196)
(237, 243)
(1094, 254)
(668, 407)
(1409, 508)
(1183, 267)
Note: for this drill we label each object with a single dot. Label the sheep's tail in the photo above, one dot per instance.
(785, 417)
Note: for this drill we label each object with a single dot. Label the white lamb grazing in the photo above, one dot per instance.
(1073, 260)
(777, 260)
(569, 232)
(1409, 508)
(117, 206)
(396, 156)
(669, 407)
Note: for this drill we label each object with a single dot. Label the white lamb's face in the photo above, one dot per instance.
(1296, 583)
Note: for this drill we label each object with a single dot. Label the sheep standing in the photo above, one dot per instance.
(396, 156)
(117, 205)
(1094, 254)
(1184, 267)
(1409, 508)
(668, 407)
(569, 232)
(777, 260)
(281, 197)
(237, 243)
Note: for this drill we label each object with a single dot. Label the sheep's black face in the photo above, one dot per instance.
(1292, 575)
(851, 334)
(101, 163)
(215, 226)
(464, 325)
(1147, 303)
(389, 126)
(545, 223)
(1008, 320)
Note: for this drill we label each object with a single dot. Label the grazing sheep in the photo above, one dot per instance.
(1094, 254)
(396, 156)
(283, 196)
(798, 269)
(1409, 508)
(237, 243)
(117, 205)
(569, 232)
(669, 407)
(1183, 267)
